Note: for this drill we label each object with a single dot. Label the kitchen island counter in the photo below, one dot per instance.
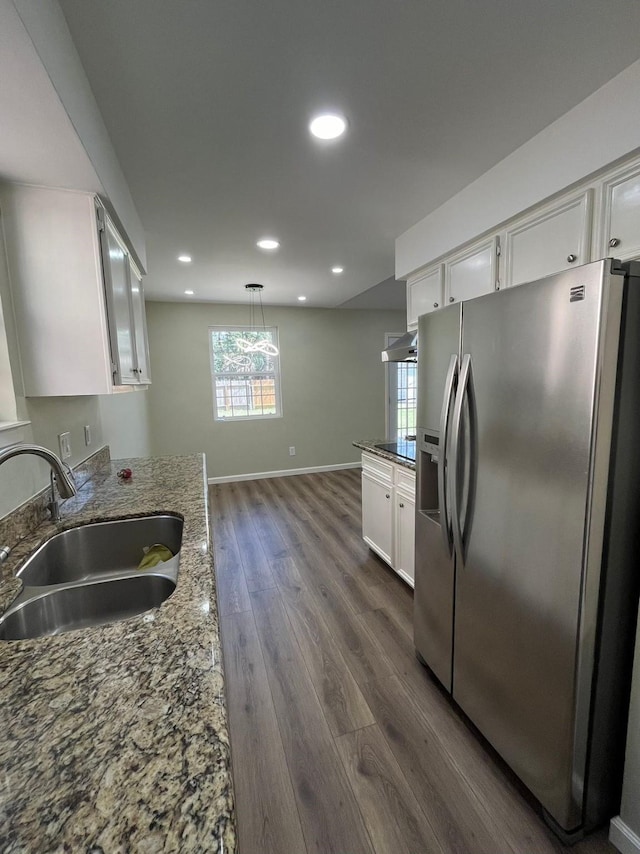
(369, 445)
(115, 737)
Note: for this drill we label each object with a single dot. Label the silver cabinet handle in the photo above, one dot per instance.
(443, 498)
(571, 258)
(387, 495)
(615, 241)
(401, 504)
(452, 299)
(435, 305)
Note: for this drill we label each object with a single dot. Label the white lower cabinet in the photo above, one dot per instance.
(388, 505)
(404, 508)
(377, 523)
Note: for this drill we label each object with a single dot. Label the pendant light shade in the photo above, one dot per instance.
(253, 345)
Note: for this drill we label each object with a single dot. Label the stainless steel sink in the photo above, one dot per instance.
(91, 551)
(63, 608)
(89, 576)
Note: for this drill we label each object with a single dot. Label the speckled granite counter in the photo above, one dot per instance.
(115, 738)
(369, 445)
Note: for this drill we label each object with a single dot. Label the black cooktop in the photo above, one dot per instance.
(405, 449)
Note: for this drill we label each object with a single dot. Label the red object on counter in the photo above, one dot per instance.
(125, 474)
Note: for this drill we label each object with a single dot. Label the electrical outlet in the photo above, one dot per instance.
(64, 440)
(87, 434)
(292, 450)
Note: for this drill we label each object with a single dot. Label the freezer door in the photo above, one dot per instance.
(433, 598)
(438, 348)
(527, 426)
(438, 340)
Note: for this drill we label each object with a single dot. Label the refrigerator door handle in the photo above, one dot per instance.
(445, 514)
(463, 385)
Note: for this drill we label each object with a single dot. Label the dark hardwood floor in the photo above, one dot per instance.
(341, 742)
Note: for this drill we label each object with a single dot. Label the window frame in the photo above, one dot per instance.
(391, 393)
(276, 374)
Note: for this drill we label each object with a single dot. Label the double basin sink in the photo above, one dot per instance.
(89, 576)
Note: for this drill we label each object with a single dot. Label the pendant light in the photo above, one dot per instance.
(245, 344)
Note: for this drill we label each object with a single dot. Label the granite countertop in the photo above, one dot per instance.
(369, 445)
(115, 738)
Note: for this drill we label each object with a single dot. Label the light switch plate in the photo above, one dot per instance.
(64, 440)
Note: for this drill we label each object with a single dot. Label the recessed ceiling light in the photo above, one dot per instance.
(185, 259)
(189, 293)
(337, 270)
(328, 126)
(301, 299)
(268, 243)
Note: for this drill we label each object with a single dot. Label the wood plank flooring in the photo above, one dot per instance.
(341, 741)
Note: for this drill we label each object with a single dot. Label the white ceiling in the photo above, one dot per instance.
(207, 105)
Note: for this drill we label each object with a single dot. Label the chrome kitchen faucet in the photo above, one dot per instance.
(60, 474)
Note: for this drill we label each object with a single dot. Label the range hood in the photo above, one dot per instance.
(405, 349)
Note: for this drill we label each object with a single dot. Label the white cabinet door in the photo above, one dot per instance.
(377, 516)
(55, 273)
(405, 536)
(424, 294)
(70, 278)
(550, 241)
(473, 272)
(620, 235)
(139, 327)
(117, 287)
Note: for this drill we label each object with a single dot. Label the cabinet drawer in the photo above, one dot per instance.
(406, 480)
(378, 468)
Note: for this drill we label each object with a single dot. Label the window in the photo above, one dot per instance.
(401, 398)
(245, 373)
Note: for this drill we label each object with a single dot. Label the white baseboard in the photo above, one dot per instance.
(260, 475)
(624, 839)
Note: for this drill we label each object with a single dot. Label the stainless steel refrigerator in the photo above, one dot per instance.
(527, 519)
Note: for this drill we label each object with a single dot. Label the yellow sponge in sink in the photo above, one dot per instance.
(153, 555)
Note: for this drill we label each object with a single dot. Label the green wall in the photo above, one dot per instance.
(332, 386)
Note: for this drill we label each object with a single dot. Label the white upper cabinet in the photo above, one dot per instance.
(620, 221)
(550, 240)
(599, 218)
(424, 294)
(472, 273)
(115, 263)
(71, 287)
(139, 326)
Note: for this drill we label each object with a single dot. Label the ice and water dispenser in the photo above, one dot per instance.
(427, 471)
